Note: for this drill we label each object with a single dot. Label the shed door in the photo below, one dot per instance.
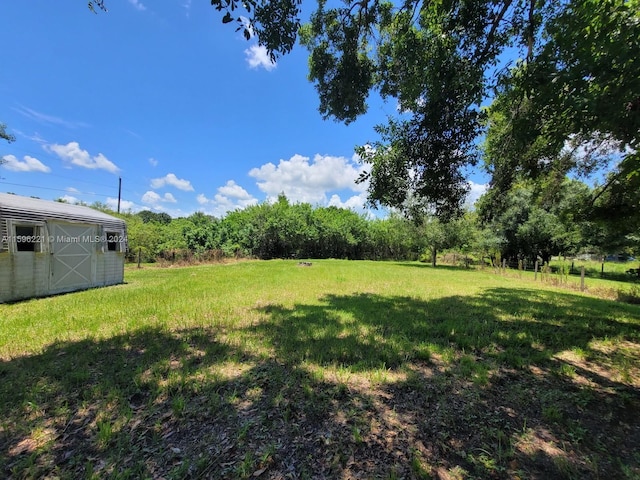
(72, 256)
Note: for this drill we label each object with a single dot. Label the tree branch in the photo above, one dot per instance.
(494, 26)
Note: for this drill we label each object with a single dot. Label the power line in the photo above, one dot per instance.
(55, 189)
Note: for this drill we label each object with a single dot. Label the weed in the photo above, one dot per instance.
(565, 466)
(551, 413)
(243, 432)
(419, 468)
(576, 432)
(357, 434)
(630, 295)
(567, 370)
(105, 433)
(246, 467)
(178, 404)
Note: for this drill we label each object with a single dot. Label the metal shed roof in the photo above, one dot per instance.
(35, 209)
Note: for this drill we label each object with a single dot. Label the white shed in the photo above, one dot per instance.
(51, 247)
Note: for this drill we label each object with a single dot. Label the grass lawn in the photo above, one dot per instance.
(342, 370)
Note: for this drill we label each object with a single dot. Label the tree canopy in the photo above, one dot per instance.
(573, 80)
(576, 81)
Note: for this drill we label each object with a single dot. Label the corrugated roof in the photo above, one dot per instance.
(37, 209)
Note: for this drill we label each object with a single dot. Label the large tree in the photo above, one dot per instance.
(577, 78)
(574, 107)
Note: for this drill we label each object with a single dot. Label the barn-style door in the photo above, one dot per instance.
(73, 255)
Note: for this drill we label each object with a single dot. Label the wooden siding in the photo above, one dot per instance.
(29, 274)
(24, 275)
(4, 244)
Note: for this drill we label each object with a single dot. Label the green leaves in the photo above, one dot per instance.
(5, 135)
(92, 4)
(571, 110)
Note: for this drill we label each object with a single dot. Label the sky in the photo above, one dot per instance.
(189, 114)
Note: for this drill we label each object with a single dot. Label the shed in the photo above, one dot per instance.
(51, 247)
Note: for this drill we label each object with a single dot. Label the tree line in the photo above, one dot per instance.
(280, 229)
(530, 227)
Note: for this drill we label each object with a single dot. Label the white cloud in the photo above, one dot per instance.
(355, 202)
(125, 205)
(50, 119)
(70, 199)
(153, 162)
(72, 153)
(304, 181)
(476, 191)
(257, 56)
(235, 191)
(152, 198)
(28, 164)
(187, 6)
(171, 179)
(72, 190)
(229, 197)
(138, 5)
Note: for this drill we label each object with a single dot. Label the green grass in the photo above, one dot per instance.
(256, 369)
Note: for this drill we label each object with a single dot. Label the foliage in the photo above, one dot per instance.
(577, 83)
(574, 106)
(272, 230)
(431, 58)
(99, 4)
(158, 217)
(528, 223)
(531, 221)
(6, 135)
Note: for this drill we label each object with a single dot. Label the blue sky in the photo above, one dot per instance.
(188, 113)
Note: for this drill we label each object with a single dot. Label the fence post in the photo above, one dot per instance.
(535, 275)
(582, 278)
(139, 256)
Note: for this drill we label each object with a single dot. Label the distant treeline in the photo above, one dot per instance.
(273, 230)
(525, 226)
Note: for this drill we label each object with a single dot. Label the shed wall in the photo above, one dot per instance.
(25, 274)
(110, 268)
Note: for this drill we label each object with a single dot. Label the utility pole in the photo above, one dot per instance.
(119, 192)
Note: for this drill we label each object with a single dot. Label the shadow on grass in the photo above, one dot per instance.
(448, 388)
(74, 409)
(558, 372)
(516, 328)
(439, 266)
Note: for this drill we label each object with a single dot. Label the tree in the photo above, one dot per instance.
(457, 233)
(530, 223)
(432, 58)
(149, 216)
(5, 135)
(574, 107)
(440, 60)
